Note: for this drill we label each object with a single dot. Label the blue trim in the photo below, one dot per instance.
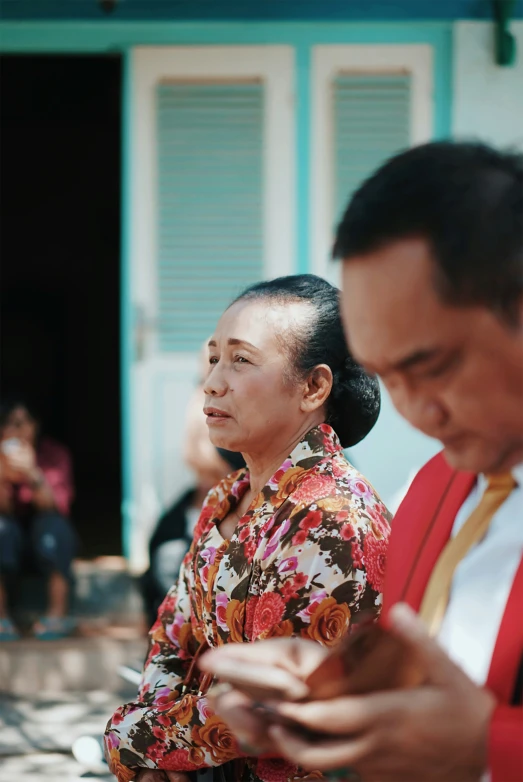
(214, 10)
(303, 141)
(126, 315)
(77, 38)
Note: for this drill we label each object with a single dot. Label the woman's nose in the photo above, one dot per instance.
(215, 384)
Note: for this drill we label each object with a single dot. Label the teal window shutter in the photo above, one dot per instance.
(371, 123)
(210, 204)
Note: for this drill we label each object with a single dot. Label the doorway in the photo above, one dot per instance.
(60, 131)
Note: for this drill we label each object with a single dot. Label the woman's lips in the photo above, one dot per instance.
(215, 415)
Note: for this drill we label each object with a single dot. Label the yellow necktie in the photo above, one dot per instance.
(437, 593)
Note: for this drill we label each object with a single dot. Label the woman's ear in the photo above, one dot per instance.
(317, 388)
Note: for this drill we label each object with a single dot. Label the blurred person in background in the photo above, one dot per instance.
(175, 529)
(36, 492)
(294, 544)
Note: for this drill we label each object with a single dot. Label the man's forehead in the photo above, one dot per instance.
(389, 303)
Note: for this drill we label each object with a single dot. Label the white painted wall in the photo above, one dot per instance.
(487, 104)
(487, 98)
(392, 454)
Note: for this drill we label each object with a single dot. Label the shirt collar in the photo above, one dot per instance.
(319, 443)
(517, 473)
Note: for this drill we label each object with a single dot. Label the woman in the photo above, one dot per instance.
(36, 492)
(292, 545)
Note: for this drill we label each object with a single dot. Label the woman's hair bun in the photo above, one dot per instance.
(355, 403)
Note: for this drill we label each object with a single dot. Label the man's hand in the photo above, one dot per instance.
(297, 656)
(435, 732)
(146, 775)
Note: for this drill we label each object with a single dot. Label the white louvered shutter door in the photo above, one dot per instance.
(210, 219)
(211, 203)
(371, 123)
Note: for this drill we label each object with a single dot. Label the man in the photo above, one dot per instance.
(432, 249)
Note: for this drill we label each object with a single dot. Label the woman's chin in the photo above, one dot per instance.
(220, 440)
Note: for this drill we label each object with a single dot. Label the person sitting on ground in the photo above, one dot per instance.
(294, 544)
(36, 492)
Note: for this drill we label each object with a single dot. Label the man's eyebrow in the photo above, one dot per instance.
(415, 359)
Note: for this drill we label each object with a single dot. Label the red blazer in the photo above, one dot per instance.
(420, 530)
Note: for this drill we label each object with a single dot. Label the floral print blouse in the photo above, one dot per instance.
(304, 560)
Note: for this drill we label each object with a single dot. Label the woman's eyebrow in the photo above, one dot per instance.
(234, 341)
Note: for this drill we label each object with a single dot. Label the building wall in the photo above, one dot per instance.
(487, 99)
(487, 104)
(472, 96)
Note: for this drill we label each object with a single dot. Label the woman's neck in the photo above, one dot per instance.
(262, 466)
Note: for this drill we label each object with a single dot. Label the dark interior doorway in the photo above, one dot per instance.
(60, 284)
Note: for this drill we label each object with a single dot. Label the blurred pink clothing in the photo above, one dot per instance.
(55, 462)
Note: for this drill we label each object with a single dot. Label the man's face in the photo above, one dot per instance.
(455, 373)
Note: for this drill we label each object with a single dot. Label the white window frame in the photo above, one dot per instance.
(328, 62)
(274, 65)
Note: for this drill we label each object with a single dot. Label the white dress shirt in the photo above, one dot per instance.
(483, 581)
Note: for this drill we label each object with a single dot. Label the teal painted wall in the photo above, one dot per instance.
(119, 38)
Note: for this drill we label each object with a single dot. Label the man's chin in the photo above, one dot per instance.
(476, 460)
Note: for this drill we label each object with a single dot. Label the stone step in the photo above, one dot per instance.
(102, 588)
(87, 662)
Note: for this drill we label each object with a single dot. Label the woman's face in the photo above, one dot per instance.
(20, 425)
(251, 403)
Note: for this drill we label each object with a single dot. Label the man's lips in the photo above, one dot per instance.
(454, 441)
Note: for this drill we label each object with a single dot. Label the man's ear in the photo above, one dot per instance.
(318, 386)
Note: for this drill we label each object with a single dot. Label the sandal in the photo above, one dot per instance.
(8, 631)
(53, 628)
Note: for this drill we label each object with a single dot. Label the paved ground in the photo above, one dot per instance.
(36, 734)
(50, 767)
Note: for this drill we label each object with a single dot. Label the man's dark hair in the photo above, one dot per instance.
(354, 403)
(466, 200)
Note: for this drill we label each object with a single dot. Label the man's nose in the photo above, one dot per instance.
(424, 413)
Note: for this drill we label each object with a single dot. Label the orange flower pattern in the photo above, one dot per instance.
(305, 560)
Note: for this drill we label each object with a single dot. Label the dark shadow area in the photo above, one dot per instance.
(60, 277)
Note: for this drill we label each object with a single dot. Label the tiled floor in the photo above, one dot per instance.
(36, 734)
(50, 767)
